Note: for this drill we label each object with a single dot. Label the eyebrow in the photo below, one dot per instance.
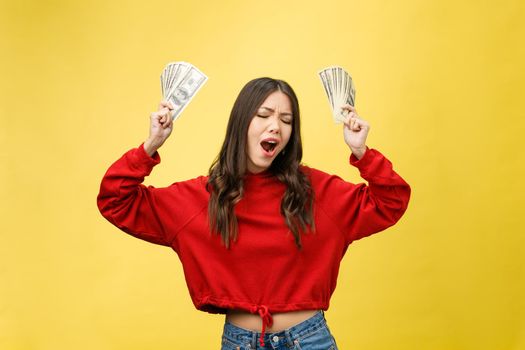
(272, 110)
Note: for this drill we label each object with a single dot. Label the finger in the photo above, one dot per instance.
(163, 117)
(363, 125)
(158, 114)
(164, 110)
(349, 108)
(347, 122)
(170, 122)
(362, 122)
(155, 116)
(164, 120)
(356, 125)
(165, 104)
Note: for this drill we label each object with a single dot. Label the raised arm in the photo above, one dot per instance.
(360, 210)
(125, 202)
(152, 214)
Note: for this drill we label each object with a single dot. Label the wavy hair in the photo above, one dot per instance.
(225, 181)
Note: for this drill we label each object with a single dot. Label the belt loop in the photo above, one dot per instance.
(289, 340)
(253, 341)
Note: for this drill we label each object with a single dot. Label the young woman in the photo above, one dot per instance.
(262, 236)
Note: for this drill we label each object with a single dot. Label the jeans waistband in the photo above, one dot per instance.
(287, 336)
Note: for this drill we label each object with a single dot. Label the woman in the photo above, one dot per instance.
(262, 236)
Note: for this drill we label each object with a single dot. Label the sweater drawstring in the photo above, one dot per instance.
(267, 320)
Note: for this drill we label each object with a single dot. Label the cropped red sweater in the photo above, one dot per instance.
(263, 272)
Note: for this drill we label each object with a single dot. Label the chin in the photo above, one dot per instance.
(264, 166)
(261, 166)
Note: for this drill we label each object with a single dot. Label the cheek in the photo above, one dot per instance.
(252, 138)
(254, 128)
(288, 135)
(249, 134)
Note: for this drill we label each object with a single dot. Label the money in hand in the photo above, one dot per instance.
(340, 90)
(180, 81)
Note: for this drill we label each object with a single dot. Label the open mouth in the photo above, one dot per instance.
(269, 146)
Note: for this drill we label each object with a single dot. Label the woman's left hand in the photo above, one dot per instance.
(355, 131)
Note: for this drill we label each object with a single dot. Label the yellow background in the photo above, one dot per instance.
(441, 82)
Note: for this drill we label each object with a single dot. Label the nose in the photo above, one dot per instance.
(273, 125)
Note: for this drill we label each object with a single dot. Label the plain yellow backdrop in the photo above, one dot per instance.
(441, 83)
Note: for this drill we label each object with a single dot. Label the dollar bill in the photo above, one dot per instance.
(180, 81)
(339, 89)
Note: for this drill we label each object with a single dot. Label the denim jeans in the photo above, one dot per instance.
(311, 334)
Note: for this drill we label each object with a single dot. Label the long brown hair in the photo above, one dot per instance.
(225, 182)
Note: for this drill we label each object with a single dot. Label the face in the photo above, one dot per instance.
(269, 132)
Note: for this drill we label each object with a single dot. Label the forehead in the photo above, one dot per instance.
(277, 101)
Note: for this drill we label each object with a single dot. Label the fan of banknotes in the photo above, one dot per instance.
(340, 90)
(180, 81)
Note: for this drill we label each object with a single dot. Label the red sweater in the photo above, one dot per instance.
(263, 271)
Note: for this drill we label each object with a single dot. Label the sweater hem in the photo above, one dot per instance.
(221, 306)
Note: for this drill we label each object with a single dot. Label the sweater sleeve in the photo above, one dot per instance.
(152, 214)
(360, 210)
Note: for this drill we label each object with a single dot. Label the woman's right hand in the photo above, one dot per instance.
(161, 125)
